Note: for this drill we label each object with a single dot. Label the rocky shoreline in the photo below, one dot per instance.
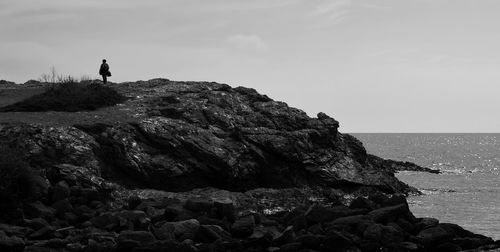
(83, 217)
(202, 166)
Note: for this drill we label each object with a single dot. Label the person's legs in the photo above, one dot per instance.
(104, 79)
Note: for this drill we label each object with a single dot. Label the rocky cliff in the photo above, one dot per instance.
(185, 162)
(191, 135)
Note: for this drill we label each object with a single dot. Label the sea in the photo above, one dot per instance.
(467, 192)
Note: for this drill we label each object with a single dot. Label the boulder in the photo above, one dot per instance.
(11, 243)
(42, 233)
(290, 247)
(181, 229)
(133, 201)
(335, 240)
(60, 191)
(363, 203)
(433, 235)
(287, 236)
(105, 221)
(137, 220)
(200, 204)
(320, 214)
(165, 232)
(384, 214)
(62, 206)
(243, 226)
(172, 213)
(36, 223)
(211, 233)
(386, 235)
(38, 209)
(129, 239)
(224, 208)
(12, 230)
(424, 223)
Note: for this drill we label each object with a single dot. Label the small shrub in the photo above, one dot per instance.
(69, 95)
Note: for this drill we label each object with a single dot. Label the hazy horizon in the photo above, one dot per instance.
(425, 66)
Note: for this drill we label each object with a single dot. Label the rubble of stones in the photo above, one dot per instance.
(81, 217)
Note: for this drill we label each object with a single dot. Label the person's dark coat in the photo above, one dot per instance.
(104, 70)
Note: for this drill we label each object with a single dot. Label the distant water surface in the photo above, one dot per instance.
(468, 190)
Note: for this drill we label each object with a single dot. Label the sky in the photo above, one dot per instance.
(374, 65)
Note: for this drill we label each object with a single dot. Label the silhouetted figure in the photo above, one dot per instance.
(104, 71)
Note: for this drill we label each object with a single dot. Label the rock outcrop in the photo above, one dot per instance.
(207, 134)
(206, 167)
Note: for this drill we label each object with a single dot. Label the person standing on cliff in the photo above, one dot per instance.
(104, 71)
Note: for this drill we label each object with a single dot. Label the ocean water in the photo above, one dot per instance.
(467, 192)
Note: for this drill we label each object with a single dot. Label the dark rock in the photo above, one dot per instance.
(61, 191)
(205, 220)
(384, 214)
(84, 212)
(154, 214)
(182, 229)
(409, 246)
(425, 223)
(75, 247)
(136, 219)
(358, 223)
(4, 84)
(244, 226)
(130, 239)
(224, 208)
(12, 230)
(36, 223)
(290, 247)
(42, 233)
(401, 166)
(165, 232)
(405, 225)
(299, 223)
(287, 236)
(201, 204)
(37, 248)
(105, 221)
(62, 206)
(386, 235)
(320, 214)
(396, 199)
(133, 201)
(362, 203)
(266, 233)
(55, 243)
(38, 209)
(71, 218)
(335, 240)
(211, 233)
(378, 197)
(448, 247)
(471, 242)
(310, 240)
(172, 212)
(433, 235)
(12, 243)
(458, 231)
(316, 229)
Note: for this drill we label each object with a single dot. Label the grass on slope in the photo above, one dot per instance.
(69, 96)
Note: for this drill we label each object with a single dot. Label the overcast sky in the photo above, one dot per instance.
(376, 66)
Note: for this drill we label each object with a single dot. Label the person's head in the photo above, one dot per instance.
(103, 61)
